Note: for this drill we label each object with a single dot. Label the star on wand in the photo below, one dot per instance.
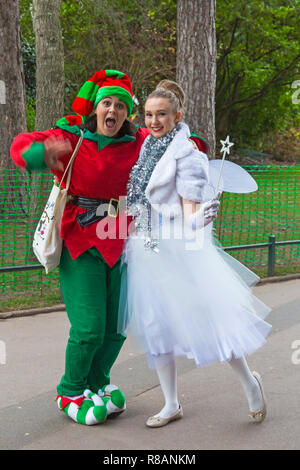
(224, 150)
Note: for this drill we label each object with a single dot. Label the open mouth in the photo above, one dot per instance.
(110, 123)
(156, 129)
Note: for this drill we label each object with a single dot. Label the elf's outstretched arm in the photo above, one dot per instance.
(39, 150)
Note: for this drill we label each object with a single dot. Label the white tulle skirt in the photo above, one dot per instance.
(192, 301)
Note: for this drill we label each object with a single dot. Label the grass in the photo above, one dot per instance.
(27, 300)
(272, 210)
(279, 271)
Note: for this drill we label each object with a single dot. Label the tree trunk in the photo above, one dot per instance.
(50, 82)
(12, 83)
(49, 63)
(196, 65)
(12, 113)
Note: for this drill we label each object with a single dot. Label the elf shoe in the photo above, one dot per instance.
(113, 398)
(88, 409)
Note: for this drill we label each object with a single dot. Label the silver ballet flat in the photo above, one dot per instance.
(259, 415)
(158, 421)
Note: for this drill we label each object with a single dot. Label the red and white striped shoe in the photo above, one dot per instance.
(88, 409)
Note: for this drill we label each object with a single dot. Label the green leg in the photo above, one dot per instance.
(84, 288)
(108, 351)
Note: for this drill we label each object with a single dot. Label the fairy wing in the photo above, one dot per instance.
(234, 178)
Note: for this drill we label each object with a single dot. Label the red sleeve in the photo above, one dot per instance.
(143, 132)
(201, 143)
(20, 149)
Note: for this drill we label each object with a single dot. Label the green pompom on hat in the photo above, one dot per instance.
(103, 83)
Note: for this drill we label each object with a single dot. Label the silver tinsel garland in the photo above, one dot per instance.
(137, 204)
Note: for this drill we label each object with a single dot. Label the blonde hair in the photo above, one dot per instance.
(171, 91)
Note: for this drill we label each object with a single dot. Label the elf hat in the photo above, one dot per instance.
(103, 83)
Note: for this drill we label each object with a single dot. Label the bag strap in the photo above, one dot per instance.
(70, 163)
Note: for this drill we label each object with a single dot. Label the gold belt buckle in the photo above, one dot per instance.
(113, 213)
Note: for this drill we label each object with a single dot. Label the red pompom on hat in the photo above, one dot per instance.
(103, 83)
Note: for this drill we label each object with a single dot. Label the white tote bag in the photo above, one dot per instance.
(47, 242)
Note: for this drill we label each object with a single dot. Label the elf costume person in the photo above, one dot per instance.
(91, 258)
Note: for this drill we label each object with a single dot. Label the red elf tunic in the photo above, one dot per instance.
(100, 170)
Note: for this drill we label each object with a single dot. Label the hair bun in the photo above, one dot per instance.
(169, 85)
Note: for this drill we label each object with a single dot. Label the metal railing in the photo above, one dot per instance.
(271, 245)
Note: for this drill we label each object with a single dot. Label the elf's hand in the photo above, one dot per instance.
(56, 147)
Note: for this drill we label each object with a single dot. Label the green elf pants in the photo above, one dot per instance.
(91, 291)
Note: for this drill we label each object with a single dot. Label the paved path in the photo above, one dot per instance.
(215, 409)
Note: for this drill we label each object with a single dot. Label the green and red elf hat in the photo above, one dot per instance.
(103, 83)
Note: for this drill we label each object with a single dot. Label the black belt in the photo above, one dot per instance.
(94, 207)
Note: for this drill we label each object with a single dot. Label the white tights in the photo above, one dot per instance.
(167, 374)
(249, 383)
